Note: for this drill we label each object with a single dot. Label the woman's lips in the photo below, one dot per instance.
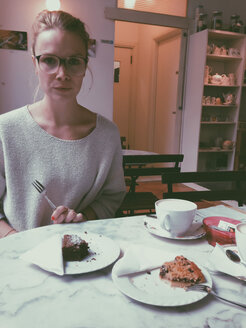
(62, 88)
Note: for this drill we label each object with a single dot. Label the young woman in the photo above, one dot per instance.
(74, 152)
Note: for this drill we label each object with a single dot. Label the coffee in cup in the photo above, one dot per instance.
(175, 215)
(241, 240)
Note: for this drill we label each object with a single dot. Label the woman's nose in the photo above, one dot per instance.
(62, 73)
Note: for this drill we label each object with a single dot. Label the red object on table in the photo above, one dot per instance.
(214, 236)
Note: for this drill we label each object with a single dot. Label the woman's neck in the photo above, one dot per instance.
(58, 113)
(65, 121)
(64, 112)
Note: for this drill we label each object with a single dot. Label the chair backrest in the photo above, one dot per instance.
(235, 181)
(138, 165)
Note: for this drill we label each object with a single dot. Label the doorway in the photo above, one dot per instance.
(146, 109)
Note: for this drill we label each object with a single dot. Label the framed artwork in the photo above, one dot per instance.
(116, 71)
(13, 40)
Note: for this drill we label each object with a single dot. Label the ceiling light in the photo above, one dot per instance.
(130, 4)
(53, 4)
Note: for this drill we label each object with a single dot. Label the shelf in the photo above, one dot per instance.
(213, 150)
(219, 34)
(223, 58)
(220, 106)
(216, 122)
(221, 85)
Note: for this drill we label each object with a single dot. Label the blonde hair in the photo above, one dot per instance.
(48, 20)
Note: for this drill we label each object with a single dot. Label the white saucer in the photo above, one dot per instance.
(196, 230)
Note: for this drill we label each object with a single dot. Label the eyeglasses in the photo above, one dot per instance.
(75, 65)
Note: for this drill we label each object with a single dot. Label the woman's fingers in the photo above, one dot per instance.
(71, 215)
(59, 214)
(62, 214)
(79, 218)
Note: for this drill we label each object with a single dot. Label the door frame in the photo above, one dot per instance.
(183, 23)
(135, 16)
(132, 112)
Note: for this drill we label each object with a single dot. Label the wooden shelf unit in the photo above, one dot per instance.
(205, 123)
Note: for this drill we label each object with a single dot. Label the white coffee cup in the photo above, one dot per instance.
(241, 240)
(175, 215)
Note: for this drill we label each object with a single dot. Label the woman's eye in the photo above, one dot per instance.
(49, 61)
(74, 61)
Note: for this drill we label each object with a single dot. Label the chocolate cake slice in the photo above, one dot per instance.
(181, 272)
(74, 248)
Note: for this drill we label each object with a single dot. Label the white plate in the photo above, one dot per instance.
(196, 230)
(150, 289)
(103, 251)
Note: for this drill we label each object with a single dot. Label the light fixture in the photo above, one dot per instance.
(53, 4)
(130, 4)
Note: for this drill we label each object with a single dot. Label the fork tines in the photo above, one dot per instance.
(199, 288)
(40, 188)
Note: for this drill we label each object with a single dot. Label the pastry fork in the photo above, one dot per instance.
(41, 189)
(207, 289)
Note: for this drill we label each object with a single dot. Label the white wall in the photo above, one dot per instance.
(17, 78)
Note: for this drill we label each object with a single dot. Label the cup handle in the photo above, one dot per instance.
(165, 222)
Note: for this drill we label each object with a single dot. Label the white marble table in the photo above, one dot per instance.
(32, 297)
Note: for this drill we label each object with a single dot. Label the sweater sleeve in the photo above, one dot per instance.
(113, 191)
(2, 182)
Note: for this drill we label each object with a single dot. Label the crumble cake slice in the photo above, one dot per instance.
(181, 272)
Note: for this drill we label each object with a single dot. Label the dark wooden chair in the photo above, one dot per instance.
(222, 185)
(136, 166)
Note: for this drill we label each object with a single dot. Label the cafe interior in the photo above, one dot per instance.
(171, 74)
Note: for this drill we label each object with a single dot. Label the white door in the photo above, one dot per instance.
(166, 129)
(122, 91)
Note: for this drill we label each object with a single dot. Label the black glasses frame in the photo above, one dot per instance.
(62, 61)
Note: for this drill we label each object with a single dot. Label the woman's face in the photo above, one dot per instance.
(61, 84)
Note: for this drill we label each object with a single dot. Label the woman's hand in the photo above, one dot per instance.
(62, 214)
(11, 232)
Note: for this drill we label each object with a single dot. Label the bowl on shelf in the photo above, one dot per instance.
(228, 144)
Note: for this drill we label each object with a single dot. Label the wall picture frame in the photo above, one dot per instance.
(14, 40)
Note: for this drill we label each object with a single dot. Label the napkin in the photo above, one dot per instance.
(139, 258)
(47, 255)
(222, 210)
(220, 262)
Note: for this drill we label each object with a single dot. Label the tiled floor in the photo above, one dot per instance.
(157, 188)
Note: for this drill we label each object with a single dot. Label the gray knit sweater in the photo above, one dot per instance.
(76, 173)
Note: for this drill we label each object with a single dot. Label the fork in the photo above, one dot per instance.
(41, 189)
(207, 289)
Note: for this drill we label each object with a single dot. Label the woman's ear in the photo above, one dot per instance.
(35, 63)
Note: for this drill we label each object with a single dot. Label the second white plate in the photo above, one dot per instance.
(148, 288)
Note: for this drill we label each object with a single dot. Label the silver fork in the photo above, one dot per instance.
(207, 289)
(41, 189)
